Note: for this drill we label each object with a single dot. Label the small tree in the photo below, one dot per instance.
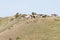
(33, 13)
(17, 15)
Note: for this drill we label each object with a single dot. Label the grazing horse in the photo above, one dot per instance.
(27, 16)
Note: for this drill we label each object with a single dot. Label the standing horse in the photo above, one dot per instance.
(27, 16)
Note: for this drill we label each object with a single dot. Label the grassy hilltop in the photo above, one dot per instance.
(30, 29)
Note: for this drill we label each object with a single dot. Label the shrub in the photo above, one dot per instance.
(33, 13)
(17, 15)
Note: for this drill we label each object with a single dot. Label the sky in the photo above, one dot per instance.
(11, 7)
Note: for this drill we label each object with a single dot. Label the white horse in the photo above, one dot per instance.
(28, 16)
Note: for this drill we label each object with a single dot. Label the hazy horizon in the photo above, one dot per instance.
(11, 7)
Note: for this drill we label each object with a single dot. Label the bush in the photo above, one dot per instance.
(33, 13)
(17, 15)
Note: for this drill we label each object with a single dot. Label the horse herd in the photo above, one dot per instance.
(40, 15)
(27, 16)
(34, 16)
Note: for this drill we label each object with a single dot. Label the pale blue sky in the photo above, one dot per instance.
(10, 7)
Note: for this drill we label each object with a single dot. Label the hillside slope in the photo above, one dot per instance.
(31, 29)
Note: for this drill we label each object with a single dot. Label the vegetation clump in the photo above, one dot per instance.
(33, 13)
(17, 15)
